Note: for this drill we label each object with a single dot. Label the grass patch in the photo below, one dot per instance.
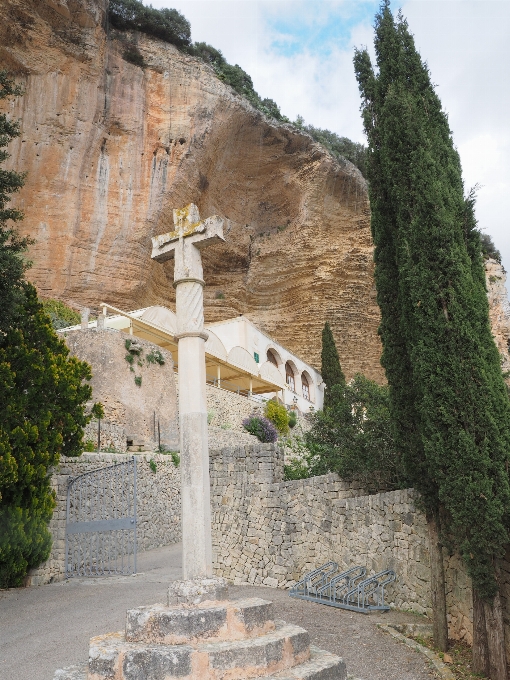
(460, 653)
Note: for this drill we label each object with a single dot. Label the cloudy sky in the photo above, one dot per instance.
(299, 53)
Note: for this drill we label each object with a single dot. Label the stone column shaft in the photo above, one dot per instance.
(195, 484)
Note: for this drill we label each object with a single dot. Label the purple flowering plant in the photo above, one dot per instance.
(262, 428)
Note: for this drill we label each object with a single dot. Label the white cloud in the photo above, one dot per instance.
(468, 52)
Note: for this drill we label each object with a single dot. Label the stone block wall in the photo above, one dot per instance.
(158, 502)
(269, 531)
(220, 438)
(272, 532)
(113, 435)
(229, 409)
(127, 404)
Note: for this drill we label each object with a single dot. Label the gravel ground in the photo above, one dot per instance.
(48, 627)
(368, 653)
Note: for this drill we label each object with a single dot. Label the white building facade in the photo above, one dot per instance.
(302, 384)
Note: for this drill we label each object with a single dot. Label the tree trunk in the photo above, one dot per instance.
(437, 587)
(495, 639)
(480, 642)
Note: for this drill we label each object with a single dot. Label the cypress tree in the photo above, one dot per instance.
(42, 392)
(12, 246)
(448, 396)
(331, 370)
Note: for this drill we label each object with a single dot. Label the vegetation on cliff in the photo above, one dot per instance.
(340, 147)
(172, 27)
(167, 24)
(448, 399)
(489, 249)
(42, 394)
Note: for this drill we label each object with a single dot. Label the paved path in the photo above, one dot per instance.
(48, 627)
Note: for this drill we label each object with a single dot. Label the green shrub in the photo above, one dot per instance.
(354, 437)
(133, 55)
(292, 419)
(97, 410)
(89, 446)
(155, 357)
(42, 415)
(152, 465)
(176, 459)
(167, 24)
(278, 415)
(296, 469)
(60, 314)
(138, 380)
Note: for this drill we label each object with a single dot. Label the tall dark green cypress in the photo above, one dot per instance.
(331, 370)
(448, 397)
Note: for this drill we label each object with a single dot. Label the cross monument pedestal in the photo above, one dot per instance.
(184, 245)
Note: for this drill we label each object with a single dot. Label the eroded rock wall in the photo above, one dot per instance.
(499, 309)
(110, 149)
(136, 392)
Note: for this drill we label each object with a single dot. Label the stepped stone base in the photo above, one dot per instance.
(201, 635)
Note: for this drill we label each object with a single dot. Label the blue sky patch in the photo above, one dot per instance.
(318, 28)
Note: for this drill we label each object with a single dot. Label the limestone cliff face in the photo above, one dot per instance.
(499, 309)
(110, 149)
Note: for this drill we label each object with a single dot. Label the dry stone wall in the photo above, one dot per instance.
(220, 438)
(269, 531)
(158, 510)
(113, 436)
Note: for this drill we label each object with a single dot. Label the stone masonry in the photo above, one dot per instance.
(202, 635)
(270, 531)
(129, 404)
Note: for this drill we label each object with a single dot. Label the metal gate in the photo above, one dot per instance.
(101, 522)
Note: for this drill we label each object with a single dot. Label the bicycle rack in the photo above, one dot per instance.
(346, 590)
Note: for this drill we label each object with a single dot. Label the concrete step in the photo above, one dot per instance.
(321, 665)
(234, 620)
(111, 656)
(281, 649)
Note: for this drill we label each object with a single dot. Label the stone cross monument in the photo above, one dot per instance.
(184, 244)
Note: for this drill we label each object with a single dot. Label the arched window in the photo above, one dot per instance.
(289, 377)
(271, 357)
(306, 387)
